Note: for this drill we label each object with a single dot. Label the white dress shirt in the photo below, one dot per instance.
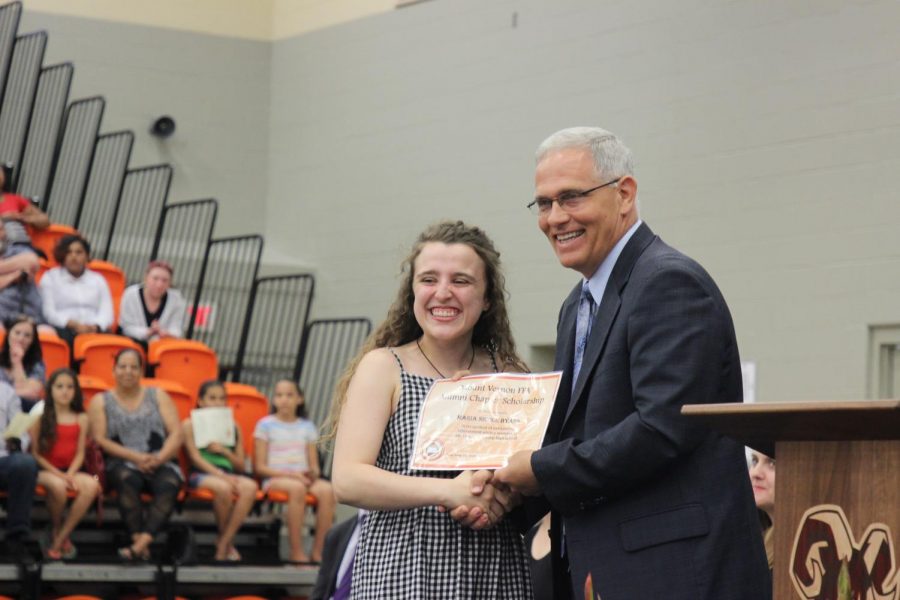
(85, 299)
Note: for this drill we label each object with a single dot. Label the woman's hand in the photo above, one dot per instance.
(485, 508)
(16, 353)
(148, 463)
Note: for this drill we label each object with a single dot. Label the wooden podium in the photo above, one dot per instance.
(837, 492)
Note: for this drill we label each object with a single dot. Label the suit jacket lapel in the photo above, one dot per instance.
(565, 354)
(606, 312)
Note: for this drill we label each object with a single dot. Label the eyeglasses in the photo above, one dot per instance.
(568, 201)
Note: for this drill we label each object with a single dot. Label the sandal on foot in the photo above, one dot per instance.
(233, 555)
(129, 555)
(53, 555)
(69, 551)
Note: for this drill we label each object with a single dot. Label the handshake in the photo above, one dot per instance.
(480, 499)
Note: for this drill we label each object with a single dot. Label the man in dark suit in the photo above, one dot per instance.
(340, 547)
(645, 503)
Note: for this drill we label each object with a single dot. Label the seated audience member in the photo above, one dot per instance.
(18, 474)
(58, 442)
(285, 456)
(153, 310)
(219, 469)
(76, 299)
(16, 212)
(762, 478)
(336, 572)
(138, 430)
(21, 363)
(18, 292)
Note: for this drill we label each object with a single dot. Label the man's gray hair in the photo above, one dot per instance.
(612, 158)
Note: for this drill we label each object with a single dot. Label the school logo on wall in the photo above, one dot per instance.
(827, 563)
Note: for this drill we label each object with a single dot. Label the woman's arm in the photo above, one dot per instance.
(97, 420)
(171, 322)
(190, 446)
(78, 460)
(47, 287)
(105, 315)
(25, 386)
(131, 315)
(363, 420)
(236, 456)
(169, 415)
(34, 216)
(313, 460)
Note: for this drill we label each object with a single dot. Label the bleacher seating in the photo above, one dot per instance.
(91, 386)
(46, 239)
(54, 351)
(115, 279)
(188, 362)
(95, 353)
(101, 195)
(249, 406)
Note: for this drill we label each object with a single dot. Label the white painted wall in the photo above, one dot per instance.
(767, 137)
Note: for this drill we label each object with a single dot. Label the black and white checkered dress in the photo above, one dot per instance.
(420, 553)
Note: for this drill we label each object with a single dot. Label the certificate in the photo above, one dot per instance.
(214, 424)
(478, 422)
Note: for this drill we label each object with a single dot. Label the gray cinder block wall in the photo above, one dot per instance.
(767, 138)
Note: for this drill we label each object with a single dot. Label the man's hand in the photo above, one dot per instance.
(518, 474)
(502, 500)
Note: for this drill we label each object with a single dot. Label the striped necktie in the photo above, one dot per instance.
(582, 329)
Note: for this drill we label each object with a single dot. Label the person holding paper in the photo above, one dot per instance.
(219, 467)
(18, 475)
(645, 503)
(449, 317)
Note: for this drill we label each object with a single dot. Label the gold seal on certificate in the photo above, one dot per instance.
(478, 422)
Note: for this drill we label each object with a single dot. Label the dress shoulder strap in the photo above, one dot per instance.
(397, 358)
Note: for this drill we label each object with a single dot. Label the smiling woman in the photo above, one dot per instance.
(449, 317)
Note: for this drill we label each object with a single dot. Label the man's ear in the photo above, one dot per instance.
(627, 190)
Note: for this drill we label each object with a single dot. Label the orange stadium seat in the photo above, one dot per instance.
(91, 386)
(46, 239)
(54, 351)
(183, 399)
(115, 279)
(188, 362)
(95, 353)
(249, 406)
